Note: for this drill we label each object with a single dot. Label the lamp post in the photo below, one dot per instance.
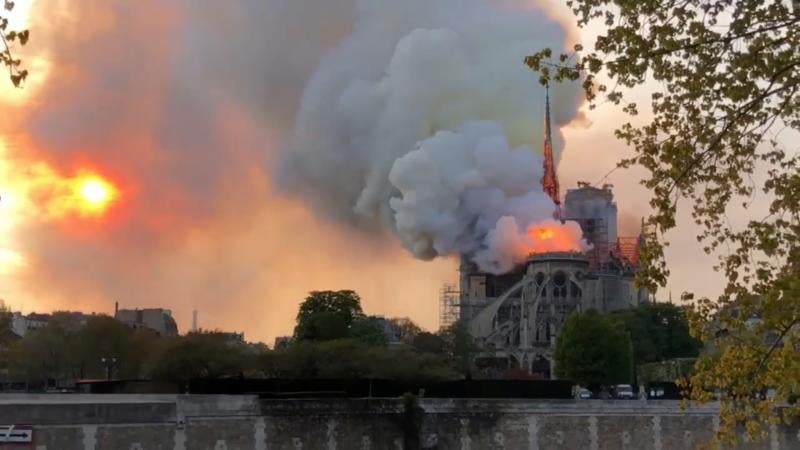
(109, 364)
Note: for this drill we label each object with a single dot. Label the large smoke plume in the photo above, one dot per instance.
(413, 116)
(422, 121)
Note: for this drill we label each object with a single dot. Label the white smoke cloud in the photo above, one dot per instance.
(466, 191)
(411, 70)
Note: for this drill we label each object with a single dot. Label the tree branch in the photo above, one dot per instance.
(774, 345)
(724, 40)
(729, 123)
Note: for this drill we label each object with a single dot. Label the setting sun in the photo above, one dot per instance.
(43, 190)
(95, 194)
(95, 191)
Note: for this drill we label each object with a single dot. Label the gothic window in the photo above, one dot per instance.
(575, 290)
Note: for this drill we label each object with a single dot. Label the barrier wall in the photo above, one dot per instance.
(196, 422)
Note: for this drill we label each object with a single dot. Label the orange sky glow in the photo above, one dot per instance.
(106, 197)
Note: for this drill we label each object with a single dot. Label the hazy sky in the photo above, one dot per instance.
(186, 107)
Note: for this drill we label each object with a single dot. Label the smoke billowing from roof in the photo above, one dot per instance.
(421, 121)
(194, 108)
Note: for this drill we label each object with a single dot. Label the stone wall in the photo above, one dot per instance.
(168, 422)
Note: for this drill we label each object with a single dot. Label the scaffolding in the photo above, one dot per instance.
(449, 305)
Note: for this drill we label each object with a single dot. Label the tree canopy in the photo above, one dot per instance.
(327, 315)
(203, 354)
(429, 343)
(353, 359)
(8, 37)
(72, 347)
(6, 321)
(660, 331)
(593, 349)
(405, 328)
(723, 80)
(369, 330)
(459, 347)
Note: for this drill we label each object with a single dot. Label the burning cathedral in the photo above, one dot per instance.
(515, 317)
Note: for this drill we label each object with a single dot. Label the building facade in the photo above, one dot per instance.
(515, 317)
(156, 319)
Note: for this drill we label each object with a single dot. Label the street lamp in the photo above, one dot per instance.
(109, 364)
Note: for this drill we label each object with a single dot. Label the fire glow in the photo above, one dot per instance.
(554, 237)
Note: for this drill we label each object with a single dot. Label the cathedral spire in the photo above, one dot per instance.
(549, 179)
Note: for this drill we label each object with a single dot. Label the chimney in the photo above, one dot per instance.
(194, 320)
(116, 309)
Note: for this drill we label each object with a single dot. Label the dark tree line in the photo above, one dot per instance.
(66, 350)
(333, 339)
(595, 348)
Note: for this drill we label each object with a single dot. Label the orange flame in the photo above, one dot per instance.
(553, 236)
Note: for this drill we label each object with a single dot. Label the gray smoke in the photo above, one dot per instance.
(421, 121)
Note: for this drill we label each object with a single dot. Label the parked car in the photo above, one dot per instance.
(656, 392)
(584, 394)
(624, 392)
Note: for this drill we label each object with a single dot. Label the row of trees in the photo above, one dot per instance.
(66, 350)
(333, 339)
(594, 348)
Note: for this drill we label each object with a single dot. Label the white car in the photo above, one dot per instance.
(624, 391)
(584, 394)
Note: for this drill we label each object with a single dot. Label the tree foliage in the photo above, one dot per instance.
(47, 354)
(202, 354)
(353, 359)
(369, 330)
(326, 315)
(724, 77)
(459, 347)
(71, 347)
(405, 328)
(104, 337)
(659, 331)
(68, 349)
(6, 321)
(9, 38)
(359, 350)
(593, 349)
(425, 342)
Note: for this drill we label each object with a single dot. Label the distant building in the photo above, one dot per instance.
(233, 336)
(157, 319)
(24, 324)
